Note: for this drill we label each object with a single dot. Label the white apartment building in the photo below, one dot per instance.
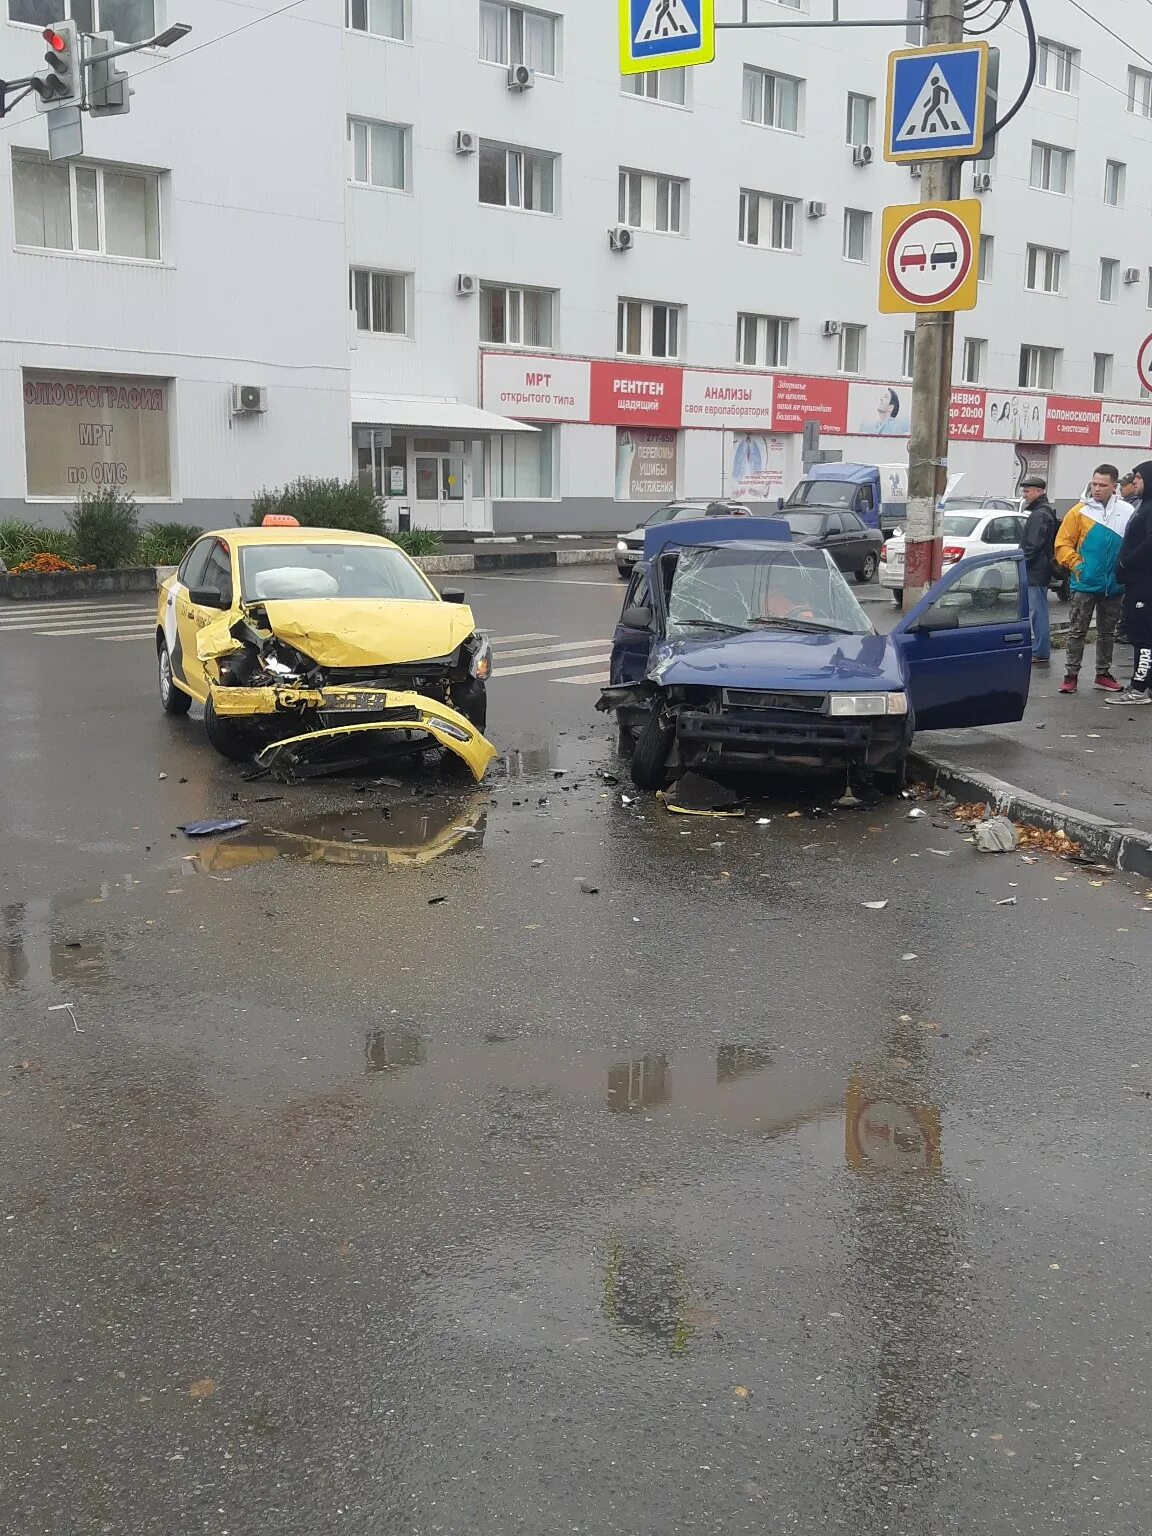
(524, 304)
(195, 249)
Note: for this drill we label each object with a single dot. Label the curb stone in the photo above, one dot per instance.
(1125, 848)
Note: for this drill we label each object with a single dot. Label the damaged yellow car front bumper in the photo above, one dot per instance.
(414, 713)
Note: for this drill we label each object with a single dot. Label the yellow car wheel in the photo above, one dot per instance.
(237, 740)
(174, 700)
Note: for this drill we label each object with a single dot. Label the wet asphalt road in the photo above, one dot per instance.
(713, 1201)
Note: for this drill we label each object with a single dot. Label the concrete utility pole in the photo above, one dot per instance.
(931, 365)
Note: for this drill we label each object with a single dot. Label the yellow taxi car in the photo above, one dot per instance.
(310, 647)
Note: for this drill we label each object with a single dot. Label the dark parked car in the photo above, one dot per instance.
(630, 545)
(854, 548)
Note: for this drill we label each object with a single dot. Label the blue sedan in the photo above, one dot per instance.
(737, 648)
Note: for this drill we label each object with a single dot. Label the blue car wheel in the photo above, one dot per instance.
(650, 753)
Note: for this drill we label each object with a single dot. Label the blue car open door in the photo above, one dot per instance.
(968, 645)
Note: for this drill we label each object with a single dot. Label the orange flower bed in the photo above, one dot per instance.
(48, 565)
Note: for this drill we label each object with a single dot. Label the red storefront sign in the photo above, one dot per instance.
(799, 399)
(966, 415)
(631, 394)
(1073, 421)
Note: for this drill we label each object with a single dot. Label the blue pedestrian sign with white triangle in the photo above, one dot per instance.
(666, 34)
(936, 99)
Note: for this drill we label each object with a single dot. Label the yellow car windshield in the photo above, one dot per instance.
(297, 572)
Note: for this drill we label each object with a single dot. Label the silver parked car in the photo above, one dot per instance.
(630, 546)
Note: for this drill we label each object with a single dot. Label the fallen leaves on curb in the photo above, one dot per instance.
(1039, 838)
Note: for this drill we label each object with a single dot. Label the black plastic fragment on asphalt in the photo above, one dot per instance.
(695, 792)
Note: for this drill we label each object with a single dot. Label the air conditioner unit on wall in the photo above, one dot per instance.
(1131, 274)
(520, 77)
(621, 238)
(981, 182)
(815, 210)
(249, 399)
(467, 283)
(830, 328)
(465, 142)
(862, 154)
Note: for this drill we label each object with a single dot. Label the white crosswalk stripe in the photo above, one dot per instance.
(133, 623)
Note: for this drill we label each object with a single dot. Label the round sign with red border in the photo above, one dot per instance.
(929, 257)
(1144, 363)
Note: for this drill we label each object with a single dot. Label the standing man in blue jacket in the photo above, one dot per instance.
(1088, 544)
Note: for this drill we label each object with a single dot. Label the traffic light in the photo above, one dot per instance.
(62, 83)
(108, 88)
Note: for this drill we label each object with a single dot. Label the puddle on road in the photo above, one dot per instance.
(888, 1123)
(42, 942)
(408, 832)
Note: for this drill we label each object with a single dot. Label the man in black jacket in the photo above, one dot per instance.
(1134, 569)
(1037, 543)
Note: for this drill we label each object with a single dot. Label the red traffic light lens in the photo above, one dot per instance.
(55, 41)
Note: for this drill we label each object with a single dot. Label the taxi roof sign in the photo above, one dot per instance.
(666, 34)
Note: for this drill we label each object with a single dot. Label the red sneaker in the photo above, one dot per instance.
(1108, 683)
(1069, 685)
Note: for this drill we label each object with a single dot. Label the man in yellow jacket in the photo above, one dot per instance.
(1088, 544)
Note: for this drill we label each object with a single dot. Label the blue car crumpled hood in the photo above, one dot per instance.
(785, 660)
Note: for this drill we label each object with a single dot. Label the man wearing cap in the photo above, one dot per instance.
(1037, 543)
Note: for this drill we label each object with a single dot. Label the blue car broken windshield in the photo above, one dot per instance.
(739, 589)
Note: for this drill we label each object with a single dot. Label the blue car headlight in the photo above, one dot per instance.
(868, 704)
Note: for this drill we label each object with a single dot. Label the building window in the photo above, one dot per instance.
(1109, 279)
(768, 221)
(131, 21)
(516, 317)
(1038, 367)
(379, 301)
(771, 100)
(850, 352)
(972, 367)
(87, 430)
(520, 465)
(1056, 66)
(510, 34)
(517, 178)
(668, 85)
(763, 340)
(1051, 168)
(861, 111)
(644, 329)
(1044, 269)
(1114, 178)
(379, 154)
(1101, 372)
(909, 357)
(857, 230)
(1140, 92)
(382, 18)
(101, 209)
(984, 260)
(653, 202)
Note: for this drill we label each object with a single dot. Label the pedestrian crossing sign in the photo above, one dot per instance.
(666, 34)
(936, 101)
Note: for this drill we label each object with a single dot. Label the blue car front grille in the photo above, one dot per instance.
(798, 703)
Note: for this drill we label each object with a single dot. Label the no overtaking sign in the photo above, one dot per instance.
(930, 257)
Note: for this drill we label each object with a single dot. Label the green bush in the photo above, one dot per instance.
(317, 503)
(20, 540)
(106, 528)
(166, 543)
(418, 541)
